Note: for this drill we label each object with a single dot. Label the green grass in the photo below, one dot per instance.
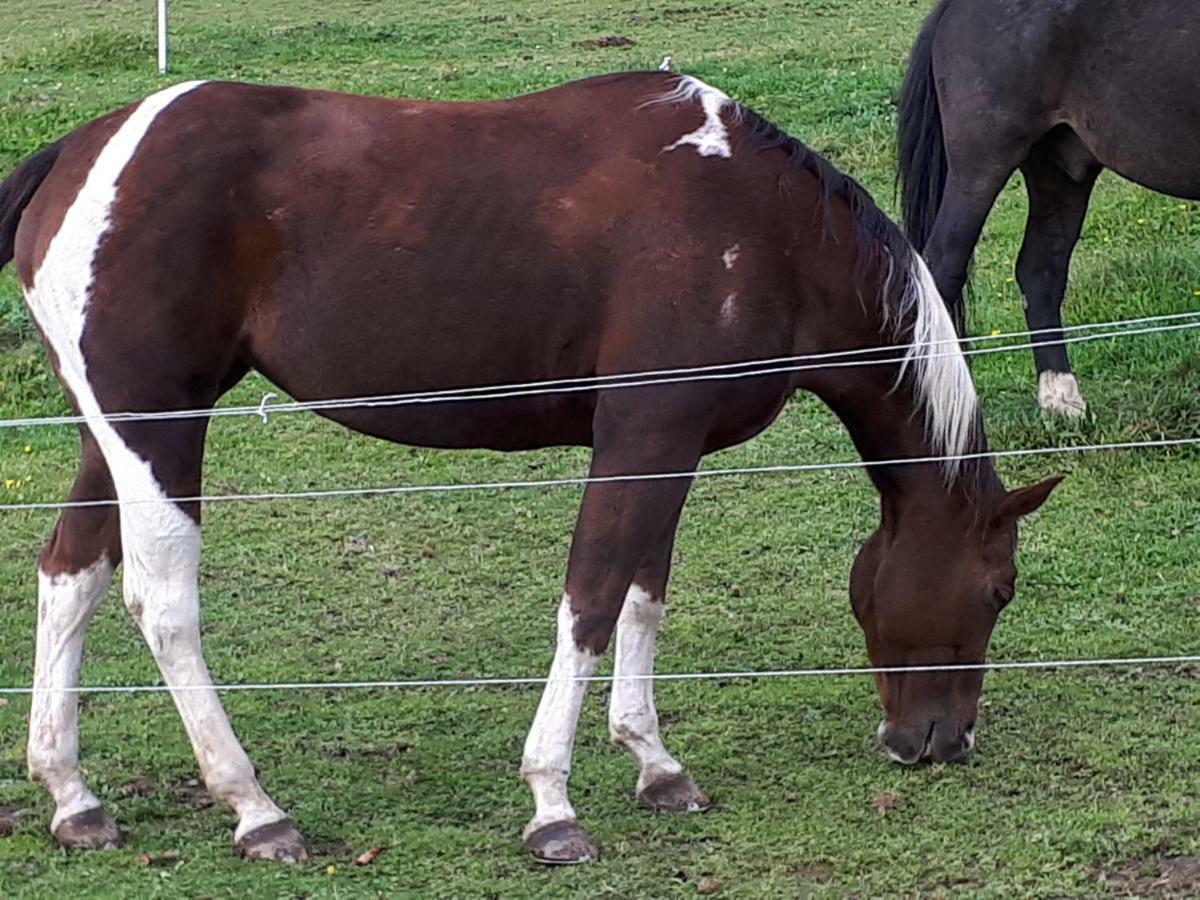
(1077, 773)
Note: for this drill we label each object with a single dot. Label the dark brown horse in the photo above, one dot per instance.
(1060, 91)
(354, 245)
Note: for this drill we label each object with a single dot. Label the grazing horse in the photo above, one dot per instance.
(348, 246)
(1060, 91)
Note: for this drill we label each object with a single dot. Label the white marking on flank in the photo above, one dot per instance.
(729, 309)
(711, 138)
(730, 256)
(632, 718)
(1058, 393)
(546, 762)
(66, 603)
(161, 543)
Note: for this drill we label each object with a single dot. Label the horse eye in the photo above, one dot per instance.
(1003, 596)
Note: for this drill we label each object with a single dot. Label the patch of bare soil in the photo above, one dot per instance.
(192, 794)
(1168, 876)
(9, 816)
(612, 40)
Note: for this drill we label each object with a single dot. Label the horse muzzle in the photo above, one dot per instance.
(938, 740)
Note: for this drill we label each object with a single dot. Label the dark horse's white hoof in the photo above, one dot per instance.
(675, 793)
(278, 842)
(92, 829)
(561, 844)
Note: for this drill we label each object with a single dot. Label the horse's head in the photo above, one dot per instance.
(927, 591)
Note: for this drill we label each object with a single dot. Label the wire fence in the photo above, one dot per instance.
(524, 681)
(858, 357)
(758, 368)
(782, 468)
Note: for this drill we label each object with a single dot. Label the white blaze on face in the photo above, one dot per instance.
(161, 543)
(546, 762)
(711, 138)
(730, 256)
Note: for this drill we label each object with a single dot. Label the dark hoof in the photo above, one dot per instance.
(92, 829)
(562, 844)
(675, 793)
(278, 842)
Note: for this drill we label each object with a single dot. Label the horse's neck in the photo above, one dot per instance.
(887, 424)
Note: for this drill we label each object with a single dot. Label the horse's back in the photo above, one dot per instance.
(357, 245)
(1117, 75)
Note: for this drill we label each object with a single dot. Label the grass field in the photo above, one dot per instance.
(1083, 783)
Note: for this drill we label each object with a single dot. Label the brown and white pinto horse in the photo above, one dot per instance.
(349, 245)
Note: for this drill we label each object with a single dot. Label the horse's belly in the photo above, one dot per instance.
(503, 424)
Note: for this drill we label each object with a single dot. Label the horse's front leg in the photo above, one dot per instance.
(662, 785)
(619, 524)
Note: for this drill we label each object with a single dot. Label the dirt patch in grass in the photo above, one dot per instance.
(9, 816)
(1171, 876)
(192, 794)
(612, 40)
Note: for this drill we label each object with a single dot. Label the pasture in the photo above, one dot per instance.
(1084, 782)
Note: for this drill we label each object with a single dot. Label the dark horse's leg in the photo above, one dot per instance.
(1057, 205)
(74, 573)
(622, 528)
(976, 177)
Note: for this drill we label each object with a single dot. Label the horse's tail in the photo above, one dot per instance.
(17, 190)
(922, 167)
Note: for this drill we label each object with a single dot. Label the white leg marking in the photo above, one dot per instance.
(730, 256)
(161, 542)
(546, 763)
(711, 138)
(66, 603)
(632, 718)
(162, 561)
(1058, 393)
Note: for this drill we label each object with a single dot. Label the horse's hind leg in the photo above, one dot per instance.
(1057, 206)
(970, 192)
(74, 572)
(662, 785)
(618, 521)
(151, 463)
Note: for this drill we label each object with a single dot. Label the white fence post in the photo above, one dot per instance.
(162, 36)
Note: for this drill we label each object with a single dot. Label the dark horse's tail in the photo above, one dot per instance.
(922, 164)
(15, 193)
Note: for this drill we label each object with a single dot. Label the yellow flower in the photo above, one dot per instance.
(11, 482)
(1141, 221)
(1196, 293)
(28, 448)
(1184, 206)
(1009, 280)
(997, 332)
(330, 870)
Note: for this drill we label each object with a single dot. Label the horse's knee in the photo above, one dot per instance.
(594, 628)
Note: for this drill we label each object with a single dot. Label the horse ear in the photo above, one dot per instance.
(1023, 501)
